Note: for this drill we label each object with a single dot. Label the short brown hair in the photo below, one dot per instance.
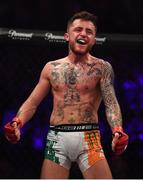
(84, 15)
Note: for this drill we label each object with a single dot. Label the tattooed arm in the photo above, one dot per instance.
(113, 112)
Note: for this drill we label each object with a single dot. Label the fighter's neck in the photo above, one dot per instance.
(77, 58)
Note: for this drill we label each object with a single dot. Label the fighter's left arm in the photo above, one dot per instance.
(112, 108)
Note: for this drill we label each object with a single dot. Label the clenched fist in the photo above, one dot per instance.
(12, 130)
(120, 141)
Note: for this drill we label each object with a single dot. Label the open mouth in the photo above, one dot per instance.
(81, 41)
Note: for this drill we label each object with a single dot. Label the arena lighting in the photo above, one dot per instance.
(140, 136)
(37, 37)
(129, 85)
(37, 143)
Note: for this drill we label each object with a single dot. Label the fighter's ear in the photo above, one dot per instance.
(94, 41)
(66, 36)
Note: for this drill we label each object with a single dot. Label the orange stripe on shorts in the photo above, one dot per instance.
(95, 151)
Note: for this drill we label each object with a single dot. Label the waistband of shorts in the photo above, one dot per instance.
(75, 127)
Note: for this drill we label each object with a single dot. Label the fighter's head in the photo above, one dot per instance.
(83, 15)
(81, 32)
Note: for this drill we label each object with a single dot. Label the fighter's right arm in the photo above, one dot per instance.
(28, 108)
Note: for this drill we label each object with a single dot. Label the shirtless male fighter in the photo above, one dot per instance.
(79, 83)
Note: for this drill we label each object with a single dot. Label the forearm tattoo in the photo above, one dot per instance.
(108, 93)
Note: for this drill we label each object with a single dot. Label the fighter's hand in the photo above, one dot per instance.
(119, 142)
(12, 130)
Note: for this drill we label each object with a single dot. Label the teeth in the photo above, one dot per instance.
(81, 41)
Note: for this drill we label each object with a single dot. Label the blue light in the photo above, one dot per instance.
(128, 85)
(140, 79)
(133, 106)
(37, 143)
(140, 136)
(37, 139)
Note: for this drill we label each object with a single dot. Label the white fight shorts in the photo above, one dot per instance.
(74, 143)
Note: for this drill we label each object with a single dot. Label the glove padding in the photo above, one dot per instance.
(119, 142)
(12, 130)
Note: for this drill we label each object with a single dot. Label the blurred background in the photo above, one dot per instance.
(21, 62)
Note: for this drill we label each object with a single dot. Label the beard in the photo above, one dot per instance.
(79, 51)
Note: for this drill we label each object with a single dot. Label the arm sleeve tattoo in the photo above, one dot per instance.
(112, 108)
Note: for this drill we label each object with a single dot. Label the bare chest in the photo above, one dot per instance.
(83, 78)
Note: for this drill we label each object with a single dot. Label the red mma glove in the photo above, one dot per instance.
(120, 141)
(12, 130)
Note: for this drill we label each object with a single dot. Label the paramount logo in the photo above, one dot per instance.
(19, 35)
(54, 38)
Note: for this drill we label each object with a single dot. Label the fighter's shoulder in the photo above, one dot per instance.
(105, 64)
(102, 62)
(54, 63)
